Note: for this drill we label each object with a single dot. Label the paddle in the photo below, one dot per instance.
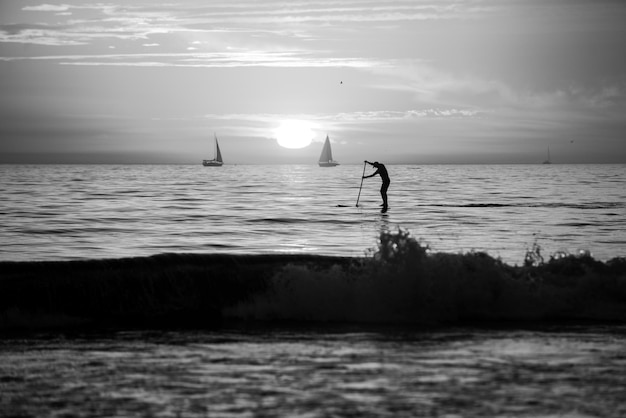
(361, 186)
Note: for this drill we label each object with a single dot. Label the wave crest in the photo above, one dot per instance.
(403, 282)
(400, 282)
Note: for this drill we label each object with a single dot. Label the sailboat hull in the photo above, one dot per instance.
(328, 163)
(212, 163)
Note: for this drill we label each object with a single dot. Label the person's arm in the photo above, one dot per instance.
(371, 175)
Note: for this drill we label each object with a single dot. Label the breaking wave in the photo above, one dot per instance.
(403, 282)
(400, 282)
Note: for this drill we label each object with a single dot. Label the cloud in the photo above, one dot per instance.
(357, 116)
(38, 34)
(229, 59)
(89, 23)
(393, 115)
(47, 8)
(340, 126)
(289, 20)
(337, 11)
(258, 124)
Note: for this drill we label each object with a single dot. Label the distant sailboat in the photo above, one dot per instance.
(326, 158)
(217, 161)
(548, 160)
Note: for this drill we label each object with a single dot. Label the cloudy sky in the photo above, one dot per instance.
(399, 81)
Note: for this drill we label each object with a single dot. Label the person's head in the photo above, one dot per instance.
(375, 164)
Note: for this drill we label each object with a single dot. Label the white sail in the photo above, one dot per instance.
(217, 161)
(326, 157)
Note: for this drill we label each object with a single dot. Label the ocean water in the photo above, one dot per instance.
(251, 317)
(574, 372)
(68, 212)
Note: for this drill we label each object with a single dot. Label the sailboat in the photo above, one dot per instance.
(548, 160)
(326, 158)
(217, 161)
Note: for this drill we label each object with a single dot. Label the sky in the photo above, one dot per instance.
(398, 81)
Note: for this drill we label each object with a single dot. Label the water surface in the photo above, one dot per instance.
(62, 212)
(551, 372)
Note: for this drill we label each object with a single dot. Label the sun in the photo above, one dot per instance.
(294, 134)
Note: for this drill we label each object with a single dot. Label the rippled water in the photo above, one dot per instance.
(53, 212)
(551, 372)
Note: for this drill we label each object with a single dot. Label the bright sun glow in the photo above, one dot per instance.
(294, 134)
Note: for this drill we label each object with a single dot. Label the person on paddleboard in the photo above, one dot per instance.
(382, 172)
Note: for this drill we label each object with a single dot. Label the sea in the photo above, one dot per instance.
(286, 291)
(70, 212)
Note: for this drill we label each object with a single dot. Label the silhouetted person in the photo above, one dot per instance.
(382, 171)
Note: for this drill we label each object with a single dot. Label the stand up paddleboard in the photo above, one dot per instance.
(382, 210)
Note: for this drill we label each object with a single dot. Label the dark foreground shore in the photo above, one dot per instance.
(401, 284)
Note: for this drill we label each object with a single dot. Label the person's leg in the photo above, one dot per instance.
(383, 193)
